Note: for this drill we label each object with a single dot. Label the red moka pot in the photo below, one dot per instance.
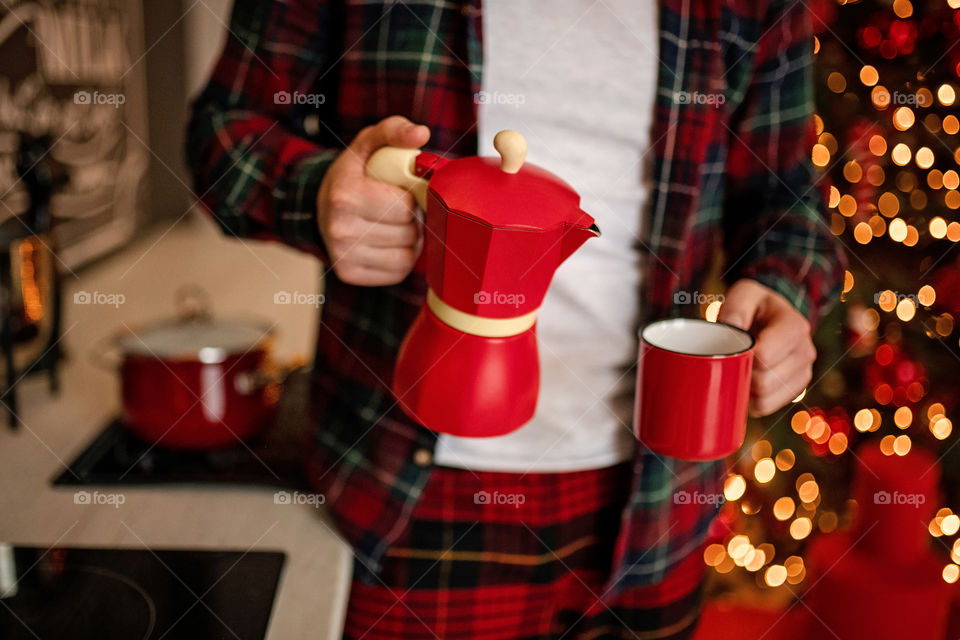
(495, 231)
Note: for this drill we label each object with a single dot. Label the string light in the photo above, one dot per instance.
(901, 445)
(950, 524)
(951, 179)
(836, 82)
(862, 233)
(903, 8)
(946, 95)
(953, 232)
(800, 422)
(897, 230)
(783, 508)
(837, 443)
(903, 118)
(938, 227)
(880, 97)
(776, 575)
(712, 312)
(941, 428)
(886, 444)
(734, 487)
(808, 491)
(902, 417)
(901, 154)
(950, 573)
(714, 554)
(764, 470)
(801, 528)
(821, 155)
(912, 236)
(927, 295)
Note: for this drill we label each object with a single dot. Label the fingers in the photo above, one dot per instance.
(366, 199)
(371, 266)
(395, 131)
(784, 352)
(778, 326)
(783, 332)
(773, 388)
(370, 228)
(742, 303)
(356, 231)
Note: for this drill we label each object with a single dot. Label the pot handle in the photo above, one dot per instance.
(395, 165)
(248, 382)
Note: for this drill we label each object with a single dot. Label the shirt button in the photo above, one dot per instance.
(422, 457)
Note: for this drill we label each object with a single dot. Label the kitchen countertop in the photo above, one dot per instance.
(242, 277)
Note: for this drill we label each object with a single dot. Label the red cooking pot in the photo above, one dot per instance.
(195, 382)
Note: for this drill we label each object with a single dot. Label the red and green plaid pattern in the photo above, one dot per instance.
(505, 556)
(731, 180)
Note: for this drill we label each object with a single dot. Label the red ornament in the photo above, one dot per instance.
(823, 12)
(893, 378)
(946, 282)
(903, 34)
(888, 36)
(879, 580)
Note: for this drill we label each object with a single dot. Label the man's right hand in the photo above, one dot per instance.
(368, 227)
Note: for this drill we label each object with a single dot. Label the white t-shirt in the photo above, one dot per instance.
(577, 78)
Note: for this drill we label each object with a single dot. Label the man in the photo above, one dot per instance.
(686, 128)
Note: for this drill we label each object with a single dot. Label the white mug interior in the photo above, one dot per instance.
(697, 337)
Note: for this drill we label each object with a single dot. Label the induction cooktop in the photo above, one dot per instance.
(136, 594)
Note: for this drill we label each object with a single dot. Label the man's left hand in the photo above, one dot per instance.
(784, 353)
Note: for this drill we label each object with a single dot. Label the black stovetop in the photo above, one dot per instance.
(113, 594)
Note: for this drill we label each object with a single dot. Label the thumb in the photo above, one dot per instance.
(741, 303)
(395, 131)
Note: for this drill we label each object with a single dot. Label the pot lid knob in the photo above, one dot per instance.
(512, 149)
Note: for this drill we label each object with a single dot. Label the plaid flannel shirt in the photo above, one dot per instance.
(732, 180)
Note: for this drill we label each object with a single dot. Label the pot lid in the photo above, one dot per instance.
(506, 192)
(206, 340)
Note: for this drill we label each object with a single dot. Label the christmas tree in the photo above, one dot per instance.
(888, 372)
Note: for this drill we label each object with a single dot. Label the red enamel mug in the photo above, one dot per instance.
(693, 386)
